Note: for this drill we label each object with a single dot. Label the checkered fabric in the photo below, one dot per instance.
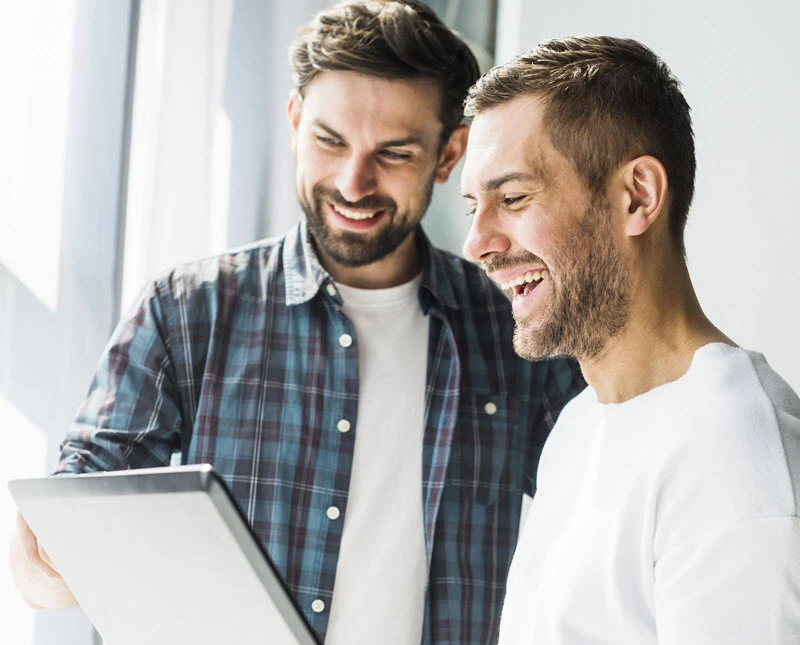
(240, 361)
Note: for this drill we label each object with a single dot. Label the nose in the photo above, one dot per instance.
(486, 237)
(357, 178)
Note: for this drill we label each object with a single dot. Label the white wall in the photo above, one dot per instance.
(738, 65)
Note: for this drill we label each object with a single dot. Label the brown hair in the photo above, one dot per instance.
(388, 38)
(607, 100)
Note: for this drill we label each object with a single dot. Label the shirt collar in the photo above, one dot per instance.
(304, 273)
(305, 276)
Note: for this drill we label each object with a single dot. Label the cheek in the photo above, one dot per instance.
(313, 167)
(403, 185)
(535, 236)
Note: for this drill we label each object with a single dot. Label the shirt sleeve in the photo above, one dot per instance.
(735, 585)
(558, 384)
(131, 417)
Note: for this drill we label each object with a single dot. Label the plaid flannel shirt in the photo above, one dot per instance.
(236, 360)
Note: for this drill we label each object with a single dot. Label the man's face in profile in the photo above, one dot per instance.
(542, 236)
(367, 157)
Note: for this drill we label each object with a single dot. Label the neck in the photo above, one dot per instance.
(400, 266)
(666, 326)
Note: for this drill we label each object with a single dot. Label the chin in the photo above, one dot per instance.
(539, 341)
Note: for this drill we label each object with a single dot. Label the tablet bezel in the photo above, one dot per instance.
(176, 479)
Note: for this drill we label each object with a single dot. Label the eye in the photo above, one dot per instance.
(514, 203)
(395, 155)
(328, 142)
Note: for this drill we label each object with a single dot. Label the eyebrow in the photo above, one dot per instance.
(391, 143)
(493, 184)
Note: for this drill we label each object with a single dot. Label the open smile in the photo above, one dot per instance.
(354, 214)
(523, 284)
(356, 219)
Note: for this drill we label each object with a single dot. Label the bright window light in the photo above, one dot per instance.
(23, 455)
(36, 41)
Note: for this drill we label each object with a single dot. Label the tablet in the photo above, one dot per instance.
(161, 556)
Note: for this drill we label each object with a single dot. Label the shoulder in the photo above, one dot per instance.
(735, 395)
(729, 442)
(241, 273)
(194, 295)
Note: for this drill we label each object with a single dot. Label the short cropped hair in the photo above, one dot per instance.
(607, 101)
(400, 39)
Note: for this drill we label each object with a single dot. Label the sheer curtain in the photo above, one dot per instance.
(210, 164)
(63, 66)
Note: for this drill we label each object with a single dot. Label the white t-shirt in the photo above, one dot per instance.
(671, 518)
(379, 591)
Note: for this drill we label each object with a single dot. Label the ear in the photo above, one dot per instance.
(294, 109)
(451, 153)
(644, 181)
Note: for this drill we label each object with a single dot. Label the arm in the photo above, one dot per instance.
(132, 416)
(32, 572)
(735, 585)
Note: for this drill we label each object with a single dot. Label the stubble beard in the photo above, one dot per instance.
(590, 295)
(352, 249)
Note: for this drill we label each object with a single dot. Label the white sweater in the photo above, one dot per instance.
(671, 518)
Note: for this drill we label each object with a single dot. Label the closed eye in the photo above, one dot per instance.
(394, 155)
(329, 142)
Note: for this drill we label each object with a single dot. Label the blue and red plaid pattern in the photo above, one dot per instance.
(235, 360)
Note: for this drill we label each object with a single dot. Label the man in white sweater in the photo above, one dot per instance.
(667, 498)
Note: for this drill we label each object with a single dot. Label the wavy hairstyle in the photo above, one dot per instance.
(389, 38)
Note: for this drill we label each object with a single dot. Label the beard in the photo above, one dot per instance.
(353, 249)
(590, 284)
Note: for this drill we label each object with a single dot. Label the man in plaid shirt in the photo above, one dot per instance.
(355, 386)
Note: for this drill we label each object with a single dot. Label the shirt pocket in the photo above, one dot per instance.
(486, 457)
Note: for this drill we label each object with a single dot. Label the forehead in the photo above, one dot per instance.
(507, 139)
(387, 108)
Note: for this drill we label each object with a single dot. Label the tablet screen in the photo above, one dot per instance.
(161, 556)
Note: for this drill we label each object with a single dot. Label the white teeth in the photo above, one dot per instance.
(354, 214)
(530, 276)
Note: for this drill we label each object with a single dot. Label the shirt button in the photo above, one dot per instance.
(343, 425)
(332, 513)
(330, 289)
(490, 408)
(345, 340)
(318, 606)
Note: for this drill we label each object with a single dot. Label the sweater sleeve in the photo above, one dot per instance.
(735, 585)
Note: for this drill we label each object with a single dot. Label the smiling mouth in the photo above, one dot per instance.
(523, 284)
(355, 215)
